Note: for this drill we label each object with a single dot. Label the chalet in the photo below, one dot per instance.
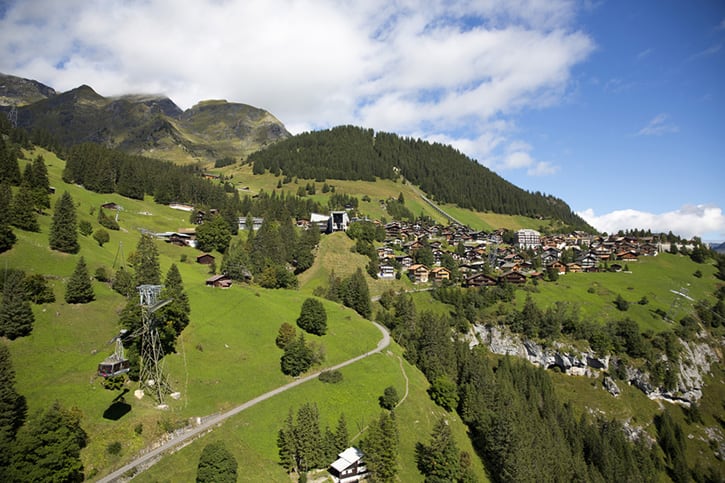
(111, 206)
(440, 274)
(627, 256)
(481, 280)
(418, 273)
(405, 260)
(510, 267)
(349, 466)
(558, 266)
(615, 267)
(386, 272)
(588, 261)
(574, 267)
(385, 252)
(219, 281)
(513, 277)
(205, 259)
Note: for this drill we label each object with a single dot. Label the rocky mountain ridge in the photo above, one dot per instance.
(146, 124)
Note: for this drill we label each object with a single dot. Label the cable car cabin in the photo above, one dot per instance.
(113, 367)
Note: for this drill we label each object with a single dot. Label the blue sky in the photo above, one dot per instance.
(616, 107)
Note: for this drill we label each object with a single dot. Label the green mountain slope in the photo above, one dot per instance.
(354, 153)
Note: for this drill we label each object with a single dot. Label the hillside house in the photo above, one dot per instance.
(256, 223)
(525, 239)
(574, 267)
(349, 466)
(440, 274)
(205, 259)
(419, 273)
(386, 272)
(219, 281)
(481, 280)
(517, 278)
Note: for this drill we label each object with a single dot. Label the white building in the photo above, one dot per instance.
(526, 239)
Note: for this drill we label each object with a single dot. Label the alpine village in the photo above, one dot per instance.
(199, 295)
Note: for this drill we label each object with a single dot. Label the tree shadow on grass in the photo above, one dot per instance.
(118, 408)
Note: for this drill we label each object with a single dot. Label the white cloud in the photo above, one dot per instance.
(439, 68)
(706, 221)
(658, 125)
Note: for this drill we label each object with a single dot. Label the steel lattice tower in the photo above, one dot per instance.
(151, 375)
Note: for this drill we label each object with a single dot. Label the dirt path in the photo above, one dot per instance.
(148, 459)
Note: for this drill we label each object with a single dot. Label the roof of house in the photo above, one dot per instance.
(347, 458)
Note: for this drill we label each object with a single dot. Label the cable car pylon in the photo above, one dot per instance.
(152, 379)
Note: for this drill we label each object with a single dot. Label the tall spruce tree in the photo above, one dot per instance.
(48, 447)
(308, 438)
(23, 209)
(79, 289)
(146, 262)
(174, 316)
(439, 460)
(64, 227)
(12, 409)
(381, 448)
(16, 315)
(7, 237)
(356, 294)
(313, 317)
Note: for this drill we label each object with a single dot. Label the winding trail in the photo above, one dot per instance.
(148, 459)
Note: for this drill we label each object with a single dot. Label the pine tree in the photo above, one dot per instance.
(48, 447)
(342, 437)
(440, 460)
(64, 228)
(381, 448)
(356, 294)
(308, 438)
(12, 408)
(23, 210)
(175, 315)
(16, 315)
(286, 444)
(146, 262)
(79, 289)
(7, 237)
(313, 317)
(216, 464)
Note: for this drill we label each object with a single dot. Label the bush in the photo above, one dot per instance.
(330, 377)
(621, 304)
(114, 448)
(389, 399)
(85, 227)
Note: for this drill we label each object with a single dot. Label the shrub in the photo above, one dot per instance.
(330, 377)
(389, 399)
(85, 227)
(114, 448)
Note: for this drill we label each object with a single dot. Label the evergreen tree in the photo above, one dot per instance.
(308, 438)
(7, 237)
(342, 438)
(12, 409)
(37, 289)
(23, 210)
(9, 168)
(123, 283)
(174, 316)
(286, 444)
(48, 447)
(381, 448)
(313, 317)
(356, 294)
(389, 399)
(146, 262)
(79, 289)
(38, 181)
(216, 464)
(235, 263)
(440, 460)
(297, 357)
(16, 316)
(63, 229)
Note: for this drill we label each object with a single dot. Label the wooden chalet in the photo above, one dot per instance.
(219, 281)
(574, 267)
(513, 277)
(481, 280)
(386, 272)
(627, 256)
(205, 259)
(440, 274)
(558, 266)
(348, 467)
(419, 273)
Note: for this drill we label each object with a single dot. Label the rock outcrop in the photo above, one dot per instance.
(694, 362)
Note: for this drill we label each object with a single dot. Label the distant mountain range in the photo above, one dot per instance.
(718, 247)
(142, 124)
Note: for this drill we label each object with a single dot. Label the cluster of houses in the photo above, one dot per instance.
(486, 260)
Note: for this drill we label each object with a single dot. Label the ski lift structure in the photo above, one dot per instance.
(152, 378)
